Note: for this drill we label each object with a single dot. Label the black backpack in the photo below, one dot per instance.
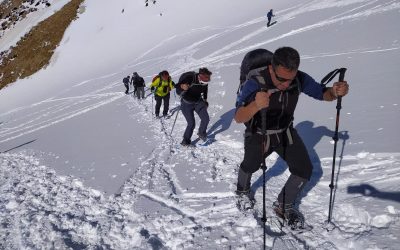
(140, 82)
(253, 62)
(182, 77)
(186, 74)
(125, 80)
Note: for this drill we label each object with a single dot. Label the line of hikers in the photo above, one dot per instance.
(192, 87)
(137, 83)
(269, 90)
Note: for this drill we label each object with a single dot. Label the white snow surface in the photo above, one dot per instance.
(84, 166)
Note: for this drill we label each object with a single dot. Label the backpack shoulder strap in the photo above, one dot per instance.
(298, 83)
(255, 73)
(262, 77)
(160, 82)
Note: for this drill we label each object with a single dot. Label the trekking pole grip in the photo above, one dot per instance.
(342, 72)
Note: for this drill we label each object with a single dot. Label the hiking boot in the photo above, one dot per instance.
(293, 216)
(245, 200)
(203, 137)
(186, 143)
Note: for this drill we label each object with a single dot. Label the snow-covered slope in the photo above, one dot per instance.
(84, 165)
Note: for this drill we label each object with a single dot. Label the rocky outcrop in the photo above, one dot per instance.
(13, 11)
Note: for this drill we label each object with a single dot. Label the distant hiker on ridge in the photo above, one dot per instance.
(147, 2)
(269, 16)
(126, 82)
(193, 88)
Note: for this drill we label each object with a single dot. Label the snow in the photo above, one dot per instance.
(85, 166)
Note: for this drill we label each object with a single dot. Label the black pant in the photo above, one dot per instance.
(295, 155)
(188, 110)
(165, 99)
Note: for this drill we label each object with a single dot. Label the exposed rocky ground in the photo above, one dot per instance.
(12, 11)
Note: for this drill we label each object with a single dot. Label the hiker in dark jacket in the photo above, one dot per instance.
(126, 82)
(138, 84)
(283, 85)
(193, 88)
(269, 16)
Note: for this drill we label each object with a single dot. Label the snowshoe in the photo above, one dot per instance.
(202, 137)
(245, 201)
(204, 140)
(293, 217)
(186, 143)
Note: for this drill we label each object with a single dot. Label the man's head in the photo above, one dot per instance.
(204, 75)
(164, 75)
(284, 66)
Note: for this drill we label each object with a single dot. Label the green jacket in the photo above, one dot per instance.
(163, 88)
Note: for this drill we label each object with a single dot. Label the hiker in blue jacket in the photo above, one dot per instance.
(283, 83)
(269, 16)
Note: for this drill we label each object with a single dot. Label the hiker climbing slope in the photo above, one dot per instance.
(193, 88)
(138, 84)
(161, 86)
(269, 16)
(275, 92)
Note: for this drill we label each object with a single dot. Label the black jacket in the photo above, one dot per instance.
(196, 92)
(138, 81)
(282, 104)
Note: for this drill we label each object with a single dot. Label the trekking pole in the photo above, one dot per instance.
(335, 139)
(173, 125)
(264, 167)
(152, 113)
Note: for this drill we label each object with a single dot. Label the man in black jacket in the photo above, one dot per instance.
(193, 88)
(126, 81)
(138, 84)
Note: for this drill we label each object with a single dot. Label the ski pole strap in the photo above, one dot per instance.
(332, 74)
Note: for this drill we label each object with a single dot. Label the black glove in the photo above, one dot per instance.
(206, 103)
(152, 89)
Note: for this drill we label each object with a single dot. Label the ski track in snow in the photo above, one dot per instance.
(231, 50)
(63, 212)
(159, 206)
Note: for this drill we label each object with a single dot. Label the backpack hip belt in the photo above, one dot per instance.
(270, 132)
(188, 102)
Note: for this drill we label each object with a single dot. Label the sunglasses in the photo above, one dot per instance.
(280, 79)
